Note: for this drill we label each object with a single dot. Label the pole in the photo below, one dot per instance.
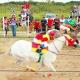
(28, 27)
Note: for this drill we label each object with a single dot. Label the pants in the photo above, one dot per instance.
(13, 28)
(37, 30)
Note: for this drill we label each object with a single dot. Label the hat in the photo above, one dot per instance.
(45, 37)
(39, 36)
(52, 33)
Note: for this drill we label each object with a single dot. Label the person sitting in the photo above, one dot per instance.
(40, 44)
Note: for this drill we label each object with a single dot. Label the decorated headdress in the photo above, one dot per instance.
(45, 37)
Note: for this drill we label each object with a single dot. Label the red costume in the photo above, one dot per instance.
(37, 24)
(37, 41)
(70, 40)
(50, 23)
(40, 40)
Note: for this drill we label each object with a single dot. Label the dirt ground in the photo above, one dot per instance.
(67, 65)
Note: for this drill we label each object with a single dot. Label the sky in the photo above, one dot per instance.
(64, 1)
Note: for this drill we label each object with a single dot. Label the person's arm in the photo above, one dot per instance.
(75, 28)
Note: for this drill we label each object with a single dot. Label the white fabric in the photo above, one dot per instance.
(23, 15)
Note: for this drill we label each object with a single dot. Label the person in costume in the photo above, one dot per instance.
(71, 23)
(37, 26)
(50, 23)
(71, 41)
(36, 41)
(40, 44)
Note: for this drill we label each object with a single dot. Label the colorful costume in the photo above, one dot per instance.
(50, 23)
(40, 41)
(44, 44)
(40, 44)
(37, 41)
(70, 40)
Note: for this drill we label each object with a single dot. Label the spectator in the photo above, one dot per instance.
(50, 23)
(37, 26)
(5, 26)
(13, 25)
(30, 22)
(23, 19)
(57, 23)
(78, 24)
(43, 24)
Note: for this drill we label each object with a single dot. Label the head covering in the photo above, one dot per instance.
(45, 37)
(39, 36)
(52, 33)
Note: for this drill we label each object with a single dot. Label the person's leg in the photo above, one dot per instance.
(30, 27)
(12, 28)
(6, 31)
(14, 31)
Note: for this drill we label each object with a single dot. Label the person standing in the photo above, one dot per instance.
(30, 22)
(13, 25)
(37, 26)
(23, 19)
(57, 23)
(5, 26)
(50, 23)
(43, 24)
